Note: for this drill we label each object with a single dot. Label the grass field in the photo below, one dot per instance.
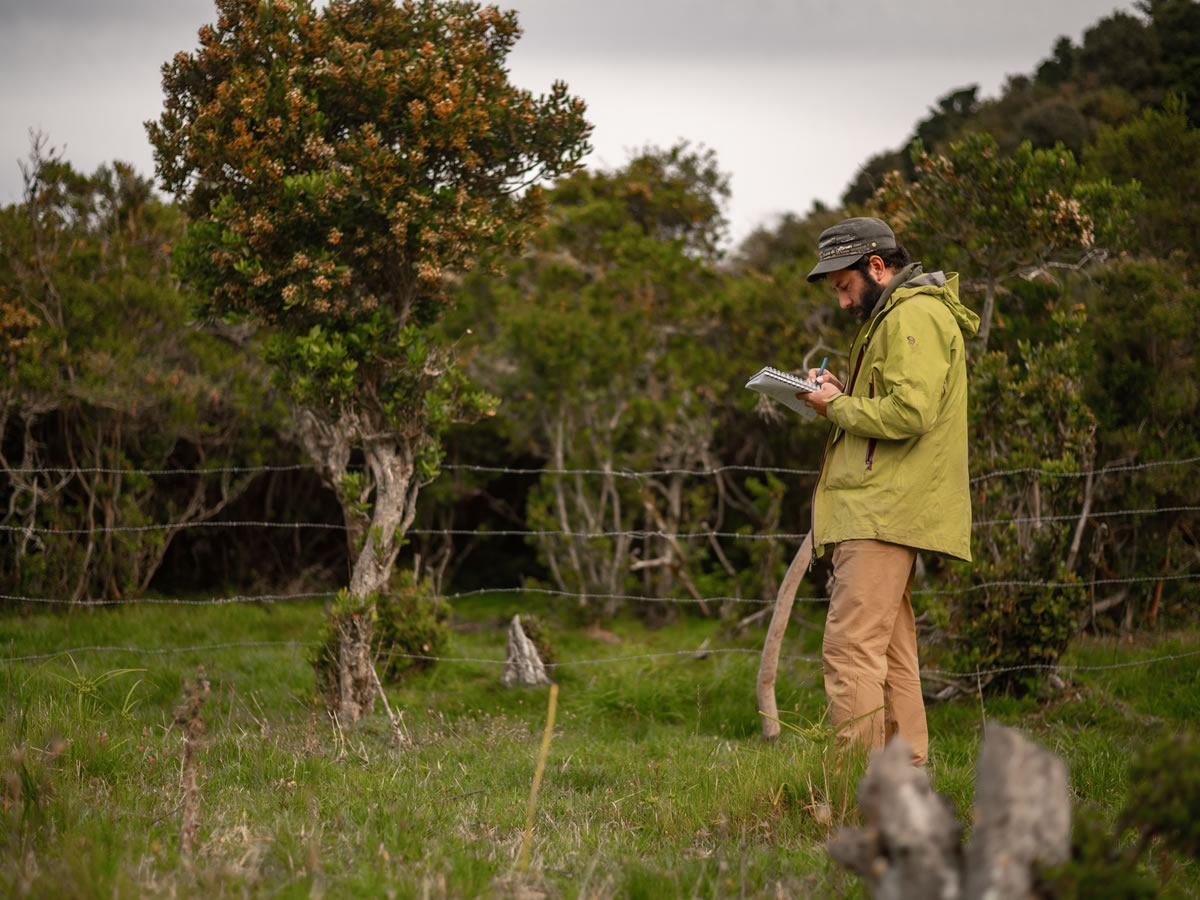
(657, 784)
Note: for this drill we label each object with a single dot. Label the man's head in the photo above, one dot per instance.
(859, 257)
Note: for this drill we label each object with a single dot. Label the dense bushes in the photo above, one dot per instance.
(108, 377)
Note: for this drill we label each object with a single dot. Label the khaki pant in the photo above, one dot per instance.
(872, 677)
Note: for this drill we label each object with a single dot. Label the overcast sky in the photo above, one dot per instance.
(793, 95)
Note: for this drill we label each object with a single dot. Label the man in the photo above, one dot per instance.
(894, 476)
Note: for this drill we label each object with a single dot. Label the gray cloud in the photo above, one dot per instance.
(83, 14)
(783, 29)
(766, 83)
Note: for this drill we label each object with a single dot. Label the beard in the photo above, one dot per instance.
(867, 297)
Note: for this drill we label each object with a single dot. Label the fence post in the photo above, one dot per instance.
(769, 664)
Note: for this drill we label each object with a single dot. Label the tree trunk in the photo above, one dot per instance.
(989, 309)
(355, 695)
(392, 465)
(377, 517)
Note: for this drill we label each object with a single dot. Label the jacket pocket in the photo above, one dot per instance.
(843, 467)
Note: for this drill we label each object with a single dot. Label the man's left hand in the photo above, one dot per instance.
(819, 400)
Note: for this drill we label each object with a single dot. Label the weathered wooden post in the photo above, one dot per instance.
(522, 665)
(769, 664)
(1022, 815)
(910, 848)
(911, 845)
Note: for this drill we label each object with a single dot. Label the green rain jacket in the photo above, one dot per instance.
(895, 464)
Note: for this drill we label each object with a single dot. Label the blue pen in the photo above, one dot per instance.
(822, 372)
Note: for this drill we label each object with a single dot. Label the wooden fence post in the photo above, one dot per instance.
(769, 664)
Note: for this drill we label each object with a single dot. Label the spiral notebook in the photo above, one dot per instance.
(783, 387)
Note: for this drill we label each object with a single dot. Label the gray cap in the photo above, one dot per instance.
(848, 241)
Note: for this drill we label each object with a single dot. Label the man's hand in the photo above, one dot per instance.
(826, 378)
(819, 400)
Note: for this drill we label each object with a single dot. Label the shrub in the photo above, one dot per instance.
(1048, 428)
(1164, 793)
(412, 624)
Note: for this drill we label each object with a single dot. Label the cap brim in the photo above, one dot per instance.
(833, 264)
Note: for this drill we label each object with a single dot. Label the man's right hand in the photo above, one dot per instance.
(827, 377)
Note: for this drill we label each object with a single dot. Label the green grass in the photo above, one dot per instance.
(657, 784)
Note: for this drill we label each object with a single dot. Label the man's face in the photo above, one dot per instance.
(857, 293)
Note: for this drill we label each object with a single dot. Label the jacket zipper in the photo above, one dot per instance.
(862, 352)
(812, 503)
(873, 441)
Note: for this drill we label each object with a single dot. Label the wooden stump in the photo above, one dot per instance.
(1022, 815)
(522, 665)
(911, 846)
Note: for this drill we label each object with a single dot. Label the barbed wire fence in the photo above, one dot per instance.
(620, 473)
(269, 598)
(583, 595)
(670, 654)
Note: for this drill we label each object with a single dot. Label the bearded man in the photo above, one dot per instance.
(894, 478)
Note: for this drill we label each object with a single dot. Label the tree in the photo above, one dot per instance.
(339, 166)
(1124, 50)
(600, 356)
(870, 175)
(994, 216)
(105, 379)
(947, 118)
(1176, 23)
(1161, 151)
(1054, 121)
(1144, 385)
(1027, 416)
(1060, 66)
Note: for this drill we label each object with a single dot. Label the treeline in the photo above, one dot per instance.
(618, 341)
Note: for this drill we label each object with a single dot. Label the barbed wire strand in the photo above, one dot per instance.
(1073, 517)
(619, 473)
(170, 601)
(582, 595)
(1058, 667)
(113, 470)
(157, 651)
(271, 598)
(418, 656)
(551, 532)
(696, 654)
(1103, 470)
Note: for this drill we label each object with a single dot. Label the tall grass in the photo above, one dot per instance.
(657, 784)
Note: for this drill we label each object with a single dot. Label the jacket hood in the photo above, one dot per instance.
(945, 287)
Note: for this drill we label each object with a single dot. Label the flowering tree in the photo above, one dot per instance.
(995, 216)
(338, 165)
